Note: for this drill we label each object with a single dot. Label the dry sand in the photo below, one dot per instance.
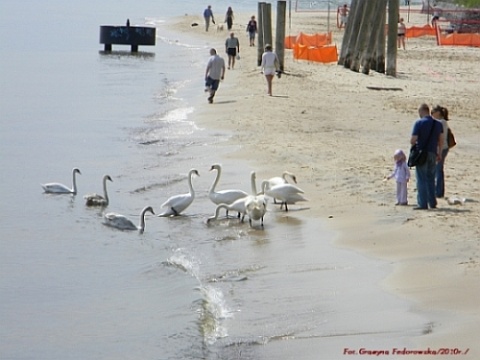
(338, 137)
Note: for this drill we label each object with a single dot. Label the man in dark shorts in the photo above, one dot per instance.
(214, 72)
(232, 47)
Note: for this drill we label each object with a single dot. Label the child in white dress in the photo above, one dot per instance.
(401, 173)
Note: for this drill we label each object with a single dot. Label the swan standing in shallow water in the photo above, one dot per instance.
(176, 204)
(223, 196)
(123, 223)
(99, 200)
(286, 193)
(57, 188)
(255, 205)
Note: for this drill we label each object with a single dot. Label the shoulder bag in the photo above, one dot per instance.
(450, 139)
(418, 156)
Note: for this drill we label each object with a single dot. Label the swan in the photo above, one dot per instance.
(123, 223)
(223, 196)
(286, 193)
(99, 200)
(176, 204)
(57, 188)
(278, 180)
(255, 205)
(238, 206)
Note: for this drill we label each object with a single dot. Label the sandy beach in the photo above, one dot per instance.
(338, 137)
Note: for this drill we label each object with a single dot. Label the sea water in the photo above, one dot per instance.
(72, 288)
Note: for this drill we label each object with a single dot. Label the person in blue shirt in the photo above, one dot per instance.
(208, 15)
(427, 135)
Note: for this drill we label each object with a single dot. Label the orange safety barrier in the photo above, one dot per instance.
(417, 31)
(324, 54)
(459, 39)
(310, 40)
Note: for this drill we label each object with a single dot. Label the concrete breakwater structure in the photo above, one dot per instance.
(127, 35)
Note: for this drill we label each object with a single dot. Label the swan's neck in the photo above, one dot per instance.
(141, 227)
(215, 182)
(105, 195)
(190, 186)
(253, 184)
(74, 189)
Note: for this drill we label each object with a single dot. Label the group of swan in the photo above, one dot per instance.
(253, 205)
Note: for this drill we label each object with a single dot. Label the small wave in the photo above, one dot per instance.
(212, 311)
(184, 262)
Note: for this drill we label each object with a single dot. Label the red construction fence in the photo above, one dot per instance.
(316, 47)
(456, 39)
(417, 31)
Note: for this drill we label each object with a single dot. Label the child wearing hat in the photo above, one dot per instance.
(401, 173)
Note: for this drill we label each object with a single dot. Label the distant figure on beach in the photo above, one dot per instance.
(208, 15)
(436, 16)
(229, 18)
(401, 173)
(214, 72)
(344, 10)
(252, 30)
(269, 66)
(427, 135)
(440, 113)
(402, 30)
(232, 48)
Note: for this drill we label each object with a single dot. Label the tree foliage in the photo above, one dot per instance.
(469, 3)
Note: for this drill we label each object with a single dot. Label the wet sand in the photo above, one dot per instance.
(324, 124)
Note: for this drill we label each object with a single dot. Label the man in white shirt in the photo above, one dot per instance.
(214, 72)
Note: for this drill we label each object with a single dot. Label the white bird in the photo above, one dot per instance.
(223, 196)
(123, 223)
(255, 205)
(176, 204)
(286, 193)
(238, 206)
(99, 200)
(278, 180)
(57, 188)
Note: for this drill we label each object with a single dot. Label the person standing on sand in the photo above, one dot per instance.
(343, 15)
(440, 113)
(252, 30)
(270, 65)
(208, 15)
(402, 30)
(427, 135)
(401, 173)
(229, 18)
(232, 47)
(214, 72)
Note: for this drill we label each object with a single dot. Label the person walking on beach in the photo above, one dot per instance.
(229, 18)
(252, 30)
(208, 15)
(232, 48)
(214, 72)
(427, 135)
(402, 30)
(269, 66)
(401, 173)
(440, 113)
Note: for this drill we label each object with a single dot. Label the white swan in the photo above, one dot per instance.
(176, 204)
(223, 196)
(238, 206)
(286, 193)
(99, 200)
(255, 205)
(278, 180)
(57, 188)
(123, 223)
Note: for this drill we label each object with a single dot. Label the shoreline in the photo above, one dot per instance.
(339, 138)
